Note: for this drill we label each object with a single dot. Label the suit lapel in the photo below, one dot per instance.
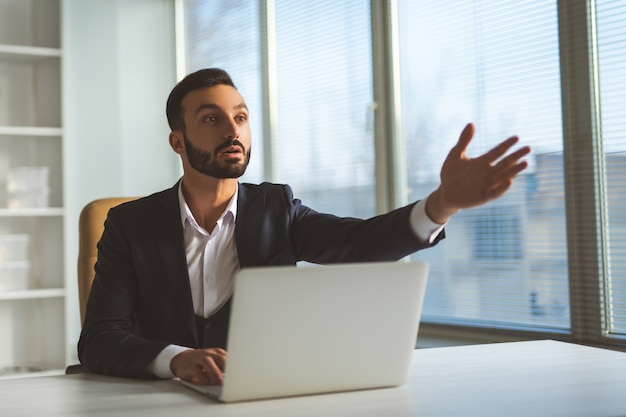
(248, 227)
(170, 244)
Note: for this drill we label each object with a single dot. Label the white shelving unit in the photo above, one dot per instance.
(32, 319)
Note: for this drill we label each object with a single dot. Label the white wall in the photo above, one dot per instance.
(118, 68)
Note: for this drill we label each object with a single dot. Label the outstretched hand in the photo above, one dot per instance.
(470, 182)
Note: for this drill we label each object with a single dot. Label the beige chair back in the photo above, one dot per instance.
(90, 228)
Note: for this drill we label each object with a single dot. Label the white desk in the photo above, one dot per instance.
(539, 378)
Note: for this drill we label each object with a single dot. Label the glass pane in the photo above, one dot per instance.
(324, 143)
(225, 34)
(611, 23)
(494, 63)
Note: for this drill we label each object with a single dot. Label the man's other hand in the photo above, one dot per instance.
(200, 366)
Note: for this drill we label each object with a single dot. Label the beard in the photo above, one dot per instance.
(206, 163)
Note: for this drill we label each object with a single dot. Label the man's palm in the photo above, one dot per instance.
(469, 182)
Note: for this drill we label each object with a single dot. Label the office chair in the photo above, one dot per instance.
(90, 228)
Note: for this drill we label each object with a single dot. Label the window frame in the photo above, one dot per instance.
(583, 159)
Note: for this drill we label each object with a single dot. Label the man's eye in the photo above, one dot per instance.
(242, 118)
(210, 119)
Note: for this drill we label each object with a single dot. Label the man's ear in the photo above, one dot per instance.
(177, 141)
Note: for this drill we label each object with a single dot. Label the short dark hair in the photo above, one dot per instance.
(207, 77)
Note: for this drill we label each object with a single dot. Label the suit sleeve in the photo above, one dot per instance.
(324, 238)
(108, 343)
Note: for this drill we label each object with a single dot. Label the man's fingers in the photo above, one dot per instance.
(512, 160)
(500, 149)
(198, 378)
(200, 366)
(212, 372)
(513, 170)
(466, 137)
(219, 356)
(206, 373)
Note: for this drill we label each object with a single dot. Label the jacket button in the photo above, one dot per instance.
(207, 326)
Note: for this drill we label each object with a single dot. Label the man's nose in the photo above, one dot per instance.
(232, 131)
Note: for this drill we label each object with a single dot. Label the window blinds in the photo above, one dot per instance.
(226, 34)
(324, 138)
(611, 24)
(550, 256)
(322, 63)
(496, 64)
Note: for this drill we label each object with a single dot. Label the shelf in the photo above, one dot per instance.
(16, 53)
(32, 212)
(33, 335)
(32, 294)
(30, 131)
(27, 372)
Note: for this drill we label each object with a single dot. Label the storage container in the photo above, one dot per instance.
(14, 247)
(28, 187)
(14, 276)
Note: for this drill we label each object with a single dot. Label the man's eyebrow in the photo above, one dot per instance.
(216, 107)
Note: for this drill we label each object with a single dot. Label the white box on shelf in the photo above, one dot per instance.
(27, 187)
(14, 275)
(27, 178)
(29, 199)
(14, 247)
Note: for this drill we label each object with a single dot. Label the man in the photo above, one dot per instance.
(160, 301)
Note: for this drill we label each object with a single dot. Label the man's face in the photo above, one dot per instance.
(217, 136)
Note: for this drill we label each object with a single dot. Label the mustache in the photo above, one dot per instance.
(228, 144)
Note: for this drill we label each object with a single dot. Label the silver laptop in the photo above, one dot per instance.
(319, 329)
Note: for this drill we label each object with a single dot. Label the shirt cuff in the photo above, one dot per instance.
(424, 228)
(160, 366)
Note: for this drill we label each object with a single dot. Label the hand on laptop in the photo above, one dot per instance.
(200, 366)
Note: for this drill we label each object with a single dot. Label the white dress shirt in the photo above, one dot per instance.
(212, 262)
(212, 259)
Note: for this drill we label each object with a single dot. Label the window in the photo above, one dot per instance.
(549, 258)
(495, 64)
(226, 34)
(321, 53)
(324, 143)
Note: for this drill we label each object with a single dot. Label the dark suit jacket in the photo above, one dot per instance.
(141, 299)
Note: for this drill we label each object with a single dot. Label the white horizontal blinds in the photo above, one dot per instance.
(226, 34)
(324, 137)
(611, 35)
(494, 63)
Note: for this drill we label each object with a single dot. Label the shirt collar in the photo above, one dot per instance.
(230, 213)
